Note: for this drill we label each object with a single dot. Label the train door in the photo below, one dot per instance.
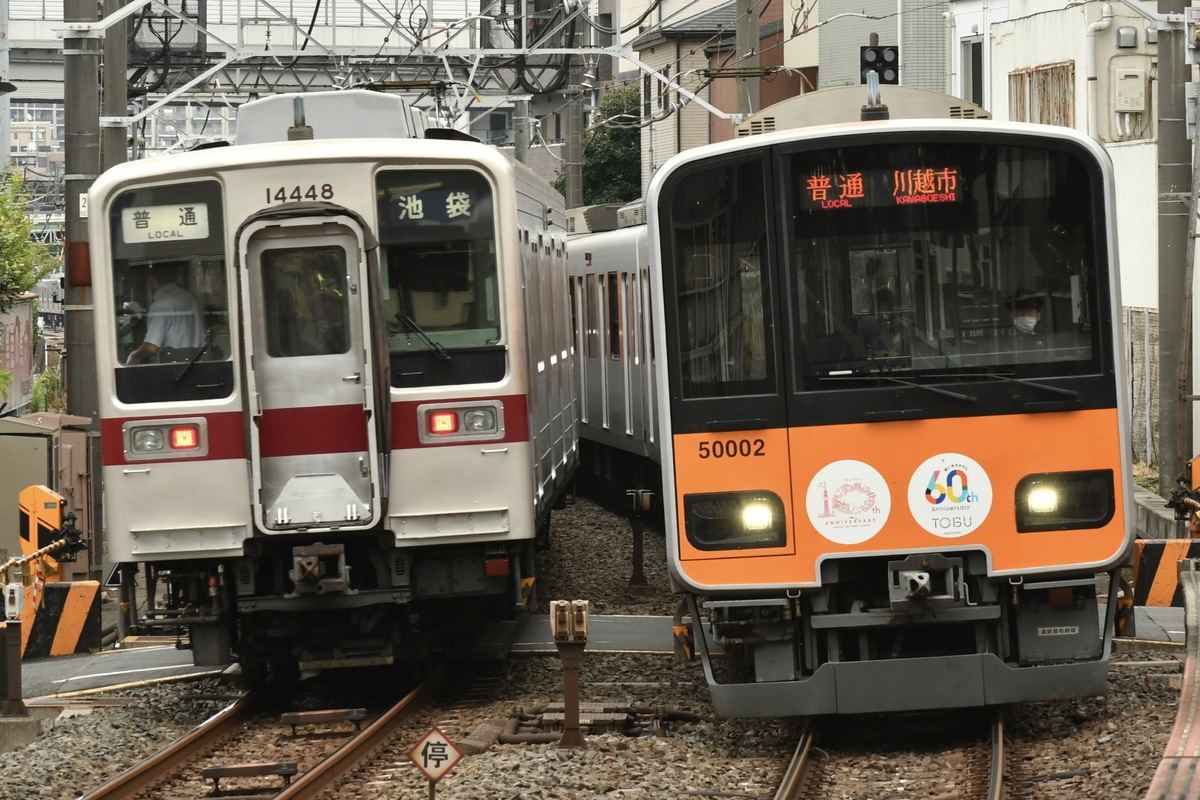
(314, 437)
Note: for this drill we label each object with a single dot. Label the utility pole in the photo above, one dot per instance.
(574, 159)
(746, 58)
(521, 127)
(5, 89)
(81, 106)
(1174, 210)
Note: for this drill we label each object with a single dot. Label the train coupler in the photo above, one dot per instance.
(926, 582)
(319, 568)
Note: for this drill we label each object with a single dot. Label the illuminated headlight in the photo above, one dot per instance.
(480, 420)
(1043, 500)
(1057, 501)
(147, 440)
(735, 520)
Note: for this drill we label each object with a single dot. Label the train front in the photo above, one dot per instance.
(898, 437)
(345, 459)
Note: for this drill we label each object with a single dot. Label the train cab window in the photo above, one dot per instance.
(953, 263)
(306, 301)
(170, 293)
(720, 277)
(438, 260)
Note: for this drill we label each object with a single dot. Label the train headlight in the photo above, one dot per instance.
(147, 440)
(735, 520)
(1057, 501)
(480, 420)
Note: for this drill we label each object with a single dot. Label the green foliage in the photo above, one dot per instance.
(6, 379)
(23, 262)
(48, 392)
(612, 156)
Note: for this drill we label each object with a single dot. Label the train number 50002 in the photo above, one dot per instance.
(733, 448)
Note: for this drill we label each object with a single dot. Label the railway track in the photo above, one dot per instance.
(951, 756)
(260, 754)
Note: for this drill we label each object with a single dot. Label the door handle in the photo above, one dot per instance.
(356, 377)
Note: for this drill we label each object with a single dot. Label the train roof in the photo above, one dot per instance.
(846, 104)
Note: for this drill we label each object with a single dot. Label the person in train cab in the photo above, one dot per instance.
(174, 323)
(1025, 310)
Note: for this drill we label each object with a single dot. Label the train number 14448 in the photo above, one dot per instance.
(294, 194)
(733, 448)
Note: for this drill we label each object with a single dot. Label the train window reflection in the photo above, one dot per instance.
(306, 308)
(718, 241)
(438, 259)
(966, 258)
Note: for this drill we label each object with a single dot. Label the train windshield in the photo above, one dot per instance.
(438, 257)
(895, 261)
(170, 291)
(916, 258)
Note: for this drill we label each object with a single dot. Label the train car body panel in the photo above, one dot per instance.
(894, 425)
(349, 464)
(865, 490)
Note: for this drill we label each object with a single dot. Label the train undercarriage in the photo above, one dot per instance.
(287, 608)
(929, 631)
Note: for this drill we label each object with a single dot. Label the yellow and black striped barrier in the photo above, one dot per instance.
(57, 617)
(60, 619)
(1155, 570)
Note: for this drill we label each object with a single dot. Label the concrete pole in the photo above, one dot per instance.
(1174, 187)
(113, 147)
(81, 106)
(5, 112)
(521, 128)
(574, 143)
(746, 57)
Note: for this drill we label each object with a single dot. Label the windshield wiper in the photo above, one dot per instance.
(944, 392)
(1045, 387)
(437, 349)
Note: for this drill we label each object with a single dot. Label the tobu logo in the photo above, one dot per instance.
(944, 501)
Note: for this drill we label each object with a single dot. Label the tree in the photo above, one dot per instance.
(612, 154)
(23, 261)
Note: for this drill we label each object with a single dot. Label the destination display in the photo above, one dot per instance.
(431, 206)
(169, 223)
(876, 188)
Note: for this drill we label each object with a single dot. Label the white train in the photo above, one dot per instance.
(347, 459)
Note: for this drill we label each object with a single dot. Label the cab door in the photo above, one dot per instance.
(308, 355)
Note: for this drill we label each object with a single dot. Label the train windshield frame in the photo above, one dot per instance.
(902, 265)
(438, 258)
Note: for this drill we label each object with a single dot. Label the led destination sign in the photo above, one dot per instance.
(877, 188)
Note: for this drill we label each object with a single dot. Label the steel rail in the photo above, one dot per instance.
(792, 783)
(1176, 770)
(153, 770)
(356, 750)
(995, 789)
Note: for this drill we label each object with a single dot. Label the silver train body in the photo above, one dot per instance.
(354, 463)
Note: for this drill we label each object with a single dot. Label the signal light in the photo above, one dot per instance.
(883, 59)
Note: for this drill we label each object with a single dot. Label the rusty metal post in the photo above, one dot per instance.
(10, 654)
(571, 654)
(569, 627)
(641, 504)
